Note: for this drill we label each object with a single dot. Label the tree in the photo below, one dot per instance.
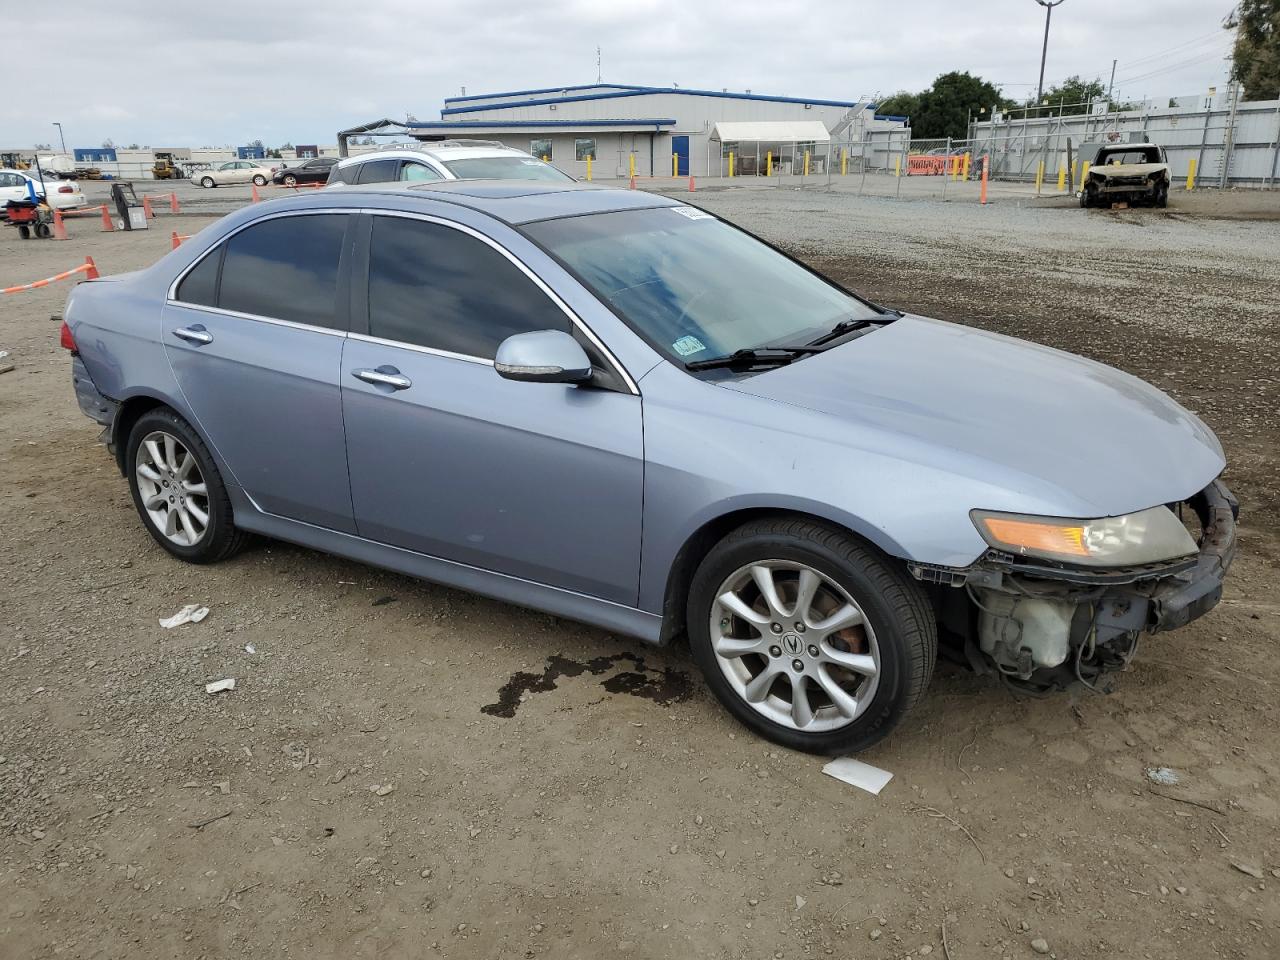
(1255, 58)
(108, 144)
(1075, 94)
(944, 109)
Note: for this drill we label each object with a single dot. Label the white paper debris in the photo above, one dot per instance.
(219, 685)
(858, 774)
(250, 649)
(1165, 776)
(191, 613)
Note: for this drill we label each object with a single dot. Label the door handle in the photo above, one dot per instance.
(396, 381)
(194, 334)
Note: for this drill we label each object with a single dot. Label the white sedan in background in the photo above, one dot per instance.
(59, 194)
(235, 171)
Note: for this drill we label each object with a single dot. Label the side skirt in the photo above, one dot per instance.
(499, 586)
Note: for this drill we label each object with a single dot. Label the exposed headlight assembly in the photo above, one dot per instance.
(1135, 539)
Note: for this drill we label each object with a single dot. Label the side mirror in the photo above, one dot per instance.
(543, 356)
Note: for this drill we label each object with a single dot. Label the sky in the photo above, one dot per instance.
(227, 72)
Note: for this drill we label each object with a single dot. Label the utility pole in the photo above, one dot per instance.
(1044, 50)
(599, 69)
(61, 138)
(1112, 85)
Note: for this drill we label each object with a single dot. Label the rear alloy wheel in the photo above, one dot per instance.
(810, 637)
(260, 180)
(178, 491)
(207, 182)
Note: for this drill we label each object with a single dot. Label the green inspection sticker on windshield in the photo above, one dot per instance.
(687, 346)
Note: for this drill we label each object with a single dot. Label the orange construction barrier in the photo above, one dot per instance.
(176, 239)
(256, 198)
(59, 228)
(88, 268)
(691, 183)
(146, 208)
(633, 183)
(985, 161)
(107, 224)
(173, 203)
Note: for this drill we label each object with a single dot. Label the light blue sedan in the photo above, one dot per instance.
(621, 409)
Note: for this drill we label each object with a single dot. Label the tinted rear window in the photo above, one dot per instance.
(377, 171)
(200, 286)
(504, 168)
(286, 269)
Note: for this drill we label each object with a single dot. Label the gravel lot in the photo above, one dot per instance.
(404, 770)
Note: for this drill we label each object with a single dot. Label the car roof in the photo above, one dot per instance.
(440, 153)
(511, 201)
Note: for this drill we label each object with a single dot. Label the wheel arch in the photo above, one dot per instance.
(134, 407)
(700, 542)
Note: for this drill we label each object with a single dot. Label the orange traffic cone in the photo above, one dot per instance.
(146, 208)
(107, 225)
(92, 272)
(59, 228)
(691, 183)
(174, 240)
(256, 198)
(173, 203)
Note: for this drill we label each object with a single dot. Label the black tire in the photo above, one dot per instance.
(260, 180)
(221, 539)
(208, 183)
(1088, 197)
(24, 232)
(43, 231)
(1162, 196)
(894, 605)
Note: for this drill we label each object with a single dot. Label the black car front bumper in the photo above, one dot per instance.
(1182, 597)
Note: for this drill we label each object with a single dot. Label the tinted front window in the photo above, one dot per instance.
(437, 287)
(285, 268)
(695, 286)
(378, 171)
(200, 286)
(504, 168)
(418, 172)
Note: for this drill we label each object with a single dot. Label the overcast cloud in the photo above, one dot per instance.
(231, 71)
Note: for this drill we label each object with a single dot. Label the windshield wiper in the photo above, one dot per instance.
(854, 323)
(753, 357)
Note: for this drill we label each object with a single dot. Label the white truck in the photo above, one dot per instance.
(1131, 172)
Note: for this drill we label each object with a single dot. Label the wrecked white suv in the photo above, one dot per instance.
(1129, 172)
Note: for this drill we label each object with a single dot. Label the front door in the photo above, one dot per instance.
(680, 147)
(256, 349)
(537, 481)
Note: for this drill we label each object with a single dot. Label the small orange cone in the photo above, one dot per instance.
(256, 198)
(92, 272)
(173, 203)
(174, 240)
(59, 228)
(146, 208)
(691, 188)
(107, 225)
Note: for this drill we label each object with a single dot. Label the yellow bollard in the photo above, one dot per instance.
(1062, 177)
(1191, 174)
(1084, 174)
(675, 165)
(844, 162)
(955, 167)
(588, 166)
(631, 163)
(1039, 177)
(897, 166)
(1075, 172)
(731, 163)
(806, 163)
(965, 175)
(768, 163)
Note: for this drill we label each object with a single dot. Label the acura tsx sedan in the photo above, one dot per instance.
(621, 409)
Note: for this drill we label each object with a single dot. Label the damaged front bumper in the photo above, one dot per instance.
(1043, 625)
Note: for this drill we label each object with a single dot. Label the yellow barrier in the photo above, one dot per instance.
(675, 165)
(967, 157)
(588, 166)
(731, 163)
(844, 162)
(806, 163)
(1039, 177)
(768, 164)
(631, 165)
(1075, 173)
(897, 166)
(1062, 178)
(1084, 174)
(1191, 174)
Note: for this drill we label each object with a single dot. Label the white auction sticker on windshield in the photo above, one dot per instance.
(687, 346)
(693, 213)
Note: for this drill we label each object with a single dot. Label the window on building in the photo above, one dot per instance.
(286, 268)
(541, 149)
(584, 148)
(437, 287)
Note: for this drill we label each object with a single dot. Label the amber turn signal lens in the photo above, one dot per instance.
(1031, 535)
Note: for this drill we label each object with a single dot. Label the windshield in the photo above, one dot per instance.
(1114, 157)
(504, 168)
(694, 286)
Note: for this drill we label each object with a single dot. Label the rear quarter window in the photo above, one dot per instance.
(378, 171)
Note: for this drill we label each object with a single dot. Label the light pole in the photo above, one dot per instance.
(1044, 50)
(63, 139)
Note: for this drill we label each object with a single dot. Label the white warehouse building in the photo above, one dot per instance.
(661, 130)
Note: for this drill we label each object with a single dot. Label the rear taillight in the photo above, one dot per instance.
(66, 188)
(66, 339)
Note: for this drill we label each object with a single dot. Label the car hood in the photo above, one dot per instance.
(1128, 169)
(1085, 436)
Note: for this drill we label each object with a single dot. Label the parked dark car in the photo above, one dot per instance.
(315, 170)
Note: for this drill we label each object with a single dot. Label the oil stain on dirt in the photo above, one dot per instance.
(659, 685)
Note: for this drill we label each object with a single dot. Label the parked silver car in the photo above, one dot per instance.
(621, 409)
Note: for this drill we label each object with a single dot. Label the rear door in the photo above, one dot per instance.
(254, 334)
(538, 481)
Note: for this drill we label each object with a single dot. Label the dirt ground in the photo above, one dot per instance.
(408, 771)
